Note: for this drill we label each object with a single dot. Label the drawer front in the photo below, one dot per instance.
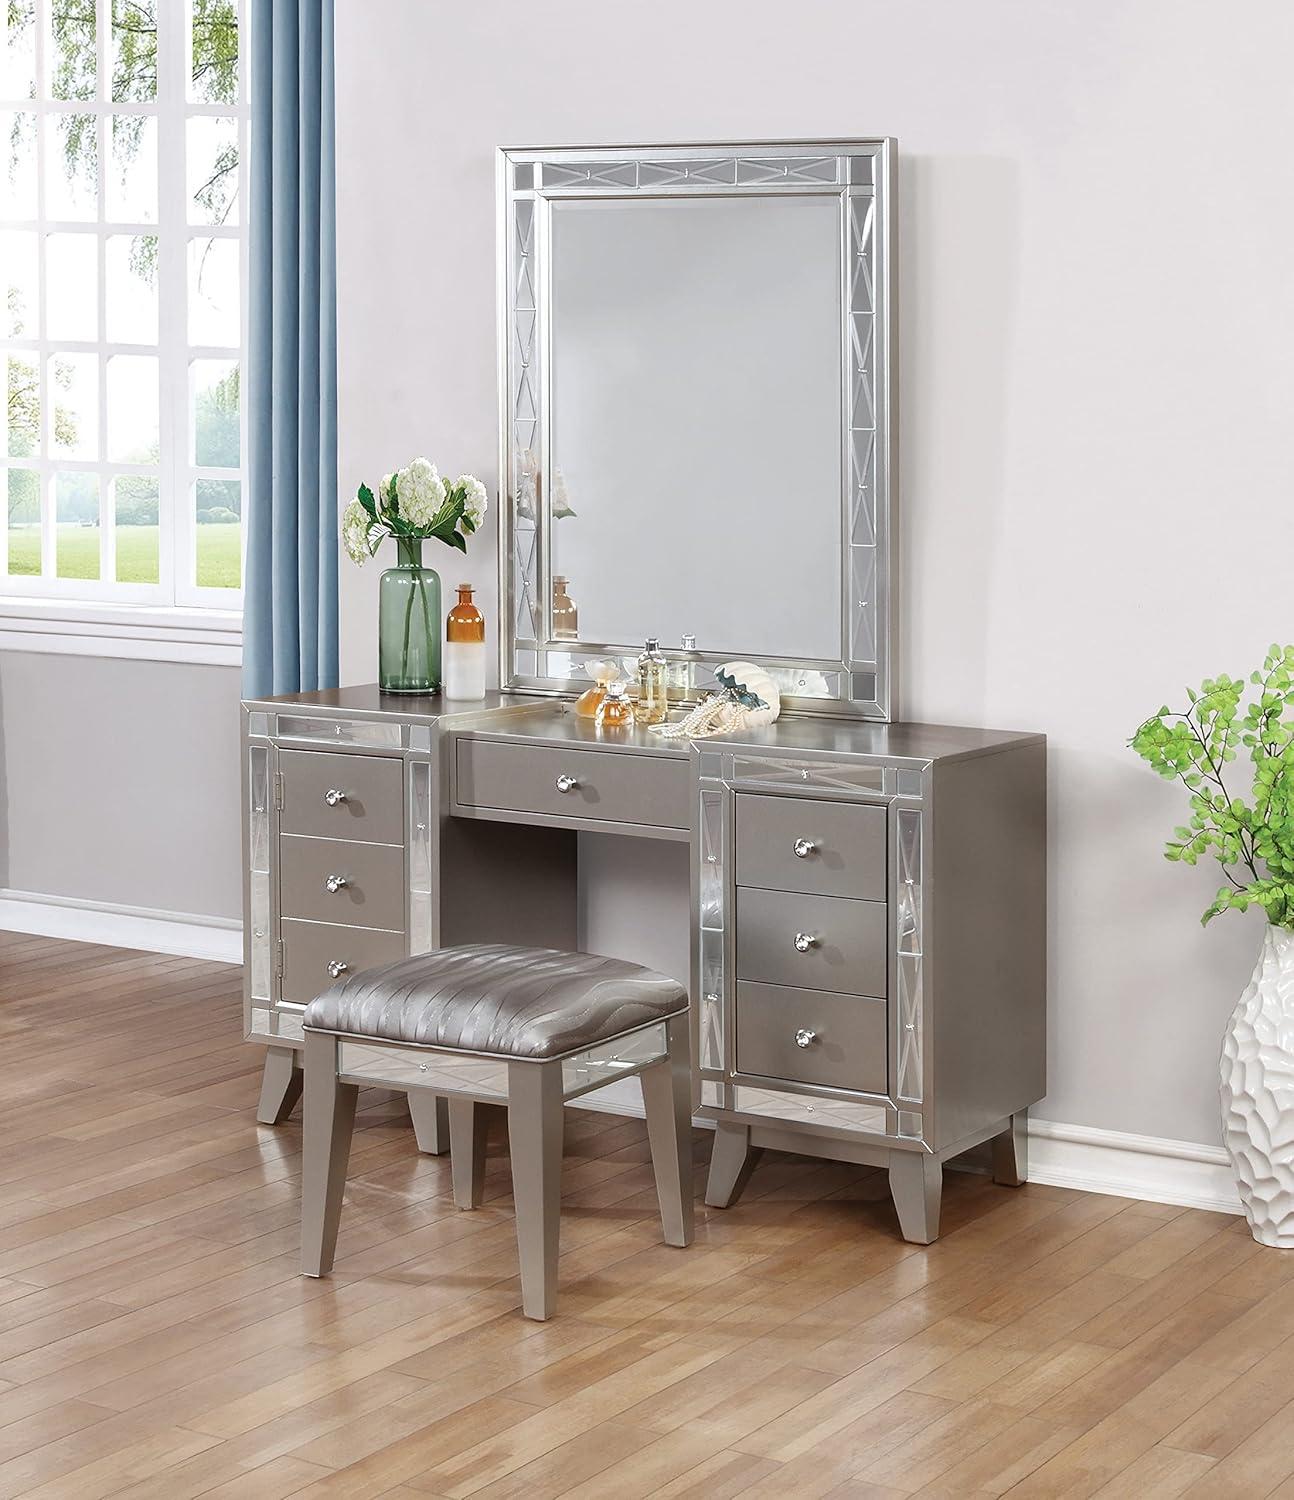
(369, 880)
(847, 941)
(309, 947)
(843, 1037)
(841, 846)
(613, 788)
(342, 796)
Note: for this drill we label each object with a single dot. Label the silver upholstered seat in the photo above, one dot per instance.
(497, 999)
(490, 1026)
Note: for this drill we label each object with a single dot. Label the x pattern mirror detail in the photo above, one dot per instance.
(849, 187)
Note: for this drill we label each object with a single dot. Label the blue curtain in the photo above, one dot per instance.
(290, 599)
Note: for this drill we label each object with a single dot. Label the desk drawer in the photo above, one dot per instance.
(367, 796)
(845, 1045)
(369, 877)
(606, 785)
(841, 844)
(309, 947)
(847, 941)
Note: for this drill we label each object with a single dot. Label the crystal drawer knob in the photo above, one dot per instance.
(805, 1038)
(337, 968)
(804, 941)
(336, 882)
(566, 783)
(332, 796)
(803, 848)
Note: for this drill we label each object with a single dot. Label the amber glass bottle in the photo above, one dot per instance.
(465, 648)
(616, 711)
(566, 617)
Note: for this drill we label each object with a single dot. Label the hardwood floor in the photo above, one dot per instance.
(158, 1343)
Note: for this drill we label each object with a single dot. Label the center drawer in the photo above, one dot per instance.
(607, 786)
(812, 942)
(332, 880)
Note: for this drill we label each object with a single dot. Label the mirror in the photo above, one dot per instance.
(696, 391)
(698, 427)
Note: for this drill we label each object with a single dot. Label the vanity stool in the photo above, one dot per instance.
(494, 1024)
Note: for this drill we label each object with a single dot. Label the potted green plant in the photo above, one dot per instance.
(1252, 838)
(413, 505)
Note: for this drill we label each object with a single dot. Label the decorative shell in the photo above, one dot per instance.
(752, 688)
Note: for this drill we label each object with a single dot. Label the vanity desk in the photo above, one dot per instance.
(867, 908)
(698, 442)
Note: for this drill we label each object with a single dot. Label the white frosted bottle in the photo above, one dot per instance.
(464, 676)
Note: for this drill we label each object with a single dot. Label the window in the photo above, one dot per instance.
(123, 127)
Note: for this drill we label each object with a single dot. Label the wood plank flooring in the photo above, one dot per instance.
(157, 1342)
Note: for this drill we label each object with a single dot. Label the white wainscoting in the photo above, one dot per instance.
(1076, 1156)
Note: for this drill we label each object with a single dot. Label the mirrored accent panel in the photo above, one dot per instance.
(698, 424)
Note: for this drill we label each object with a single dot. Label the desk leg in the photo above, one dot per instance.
(731, 1163)
(916, 1184)
(1011, 1152)
(280, 1085)
(430, 1115)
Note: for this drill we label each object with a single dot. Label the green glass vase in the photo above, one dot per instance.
(408, 624)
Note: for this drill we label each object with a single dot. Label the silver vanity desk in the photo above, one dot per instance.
(867, 917)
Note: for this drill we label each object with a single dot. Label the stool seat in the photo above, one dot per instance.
(499, 1000)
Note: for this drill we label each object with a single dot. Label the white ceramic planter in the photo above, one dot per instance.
(1258, 1092)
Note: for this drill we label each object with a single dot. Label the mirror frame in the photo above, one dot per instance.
(860, 175)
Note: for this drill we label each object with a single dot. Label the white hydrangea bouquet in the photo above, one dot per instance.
(414, 505)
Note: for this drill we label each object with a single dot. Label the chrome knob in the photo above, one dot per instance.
(337, 968)
(805, 1038)
(566, 783)
(332, 796)
(803, 848)
(336, 882)
(804, 941)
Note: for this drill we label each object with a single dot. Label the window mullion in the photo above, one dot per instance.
(107, 512)
(174, 535)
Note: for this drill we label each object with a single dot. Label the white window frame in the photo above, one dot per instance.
(174, 619)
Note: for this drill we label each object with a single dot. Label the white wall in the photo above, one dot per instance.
(1097, 381)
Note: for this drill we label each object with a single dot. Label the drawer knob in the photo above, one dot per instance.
(804, 941)
(338, 967)
(804, 847)
(336, 882)
(566, 783)
(332, 796)
(805, 1038)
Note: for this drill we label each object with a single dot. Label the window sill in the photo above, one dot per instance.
(212, 637)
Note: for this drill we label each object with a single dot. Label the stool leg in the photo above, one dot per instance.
(329, 1121)
(468, 1133)
(430, 1121)
(732, 1161)
(667, 1103)
(280, 1085)
(536, 1121)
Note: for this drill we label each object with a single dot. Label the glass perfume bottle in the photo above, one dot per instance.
(566, 617)
(680, 675)
(602, 669)
(653, 699)
(615, 711)
(465, 648)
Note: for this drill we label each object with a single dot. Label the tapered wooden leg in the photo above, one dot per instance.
(329, 1121)
(535, 1127)
(280, 1085)
(1011, 1152)
(916, 1184)
(667, 1103)
(731, 1163)
(469, 1130)
(430, 1115)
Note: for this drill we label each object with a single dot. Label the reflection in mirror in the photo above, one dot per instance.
(696, 410)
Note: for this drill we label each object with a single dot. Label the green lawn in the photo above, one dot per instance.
(78, 553)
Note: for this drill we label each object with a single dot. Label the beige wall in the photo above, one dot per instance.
(1097, 381)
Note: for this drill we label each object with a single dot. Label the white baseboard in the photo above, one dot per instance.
(216, 938)
(1074, 1156)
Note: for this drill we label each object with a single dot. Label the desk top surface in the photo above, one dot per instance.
(546, 721)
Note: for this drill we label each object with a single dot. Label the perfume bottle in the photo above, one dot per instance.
(680, 676)
(566, 618)
(615, 711)
(653, 702)
(465, 648)
(602, 669)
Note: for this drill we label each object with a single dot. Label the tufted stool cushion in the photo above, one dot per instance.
(498, 999)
